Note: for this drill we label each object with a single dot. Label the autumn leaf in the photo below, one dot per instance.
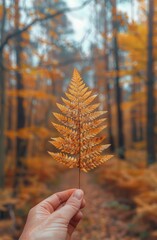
(80, 122)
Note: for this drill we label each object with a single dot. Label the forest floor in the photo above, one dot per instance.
(101, 221)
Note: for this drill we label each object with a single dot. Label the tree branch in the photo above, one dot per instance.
(62, 64)
(3, 20)
(33, 22)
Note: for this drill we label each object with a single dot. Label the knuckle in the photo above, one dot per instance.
(73, 205)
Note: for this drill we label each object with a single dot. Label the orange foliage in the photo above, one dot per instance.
(137, 184)
(79, 127)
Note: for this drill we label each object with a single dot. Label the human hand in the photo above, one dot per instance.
(56, 217)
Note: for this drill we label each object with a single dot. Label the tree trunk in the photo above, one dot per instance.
(133, 126)
(2, 125)
(107, 85)
(150, 89)
(120, 149)
(21, 143)
(2, 102)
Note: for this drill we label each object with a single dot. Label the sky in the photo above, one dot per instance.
(83, 20)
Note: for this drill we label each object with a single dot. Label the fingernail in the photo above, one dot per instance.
(78, 194)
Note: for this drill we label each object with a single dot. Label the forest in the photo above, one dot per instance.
(113, 45)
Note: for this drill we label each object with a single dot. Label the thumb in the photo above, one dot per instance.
(72, 206)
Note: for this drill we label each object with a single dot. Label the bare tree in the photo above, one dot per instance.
(117, 80)
(150, 89)
(21, 143)
(2, 100)
(107, 85)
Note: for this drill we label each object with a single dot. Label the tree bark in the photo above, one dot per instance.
(21, 143)
(120, 149)
(133, 127)
(107, 85)
(150, 89)
(2, 102)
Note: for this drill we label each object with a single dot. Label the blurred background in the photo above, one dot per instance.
(113, 43)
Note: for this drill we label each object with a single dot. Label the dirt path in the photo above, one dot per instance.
(99, 222)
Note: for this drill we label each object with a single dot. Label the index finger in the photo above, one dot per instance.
(51, 203)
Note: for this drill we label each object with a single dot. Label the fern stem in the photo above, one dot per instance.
(79, 133)
(79, 178)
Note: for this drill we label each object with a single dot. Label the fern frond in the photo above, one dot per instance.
(80, 123)
(94, 151)
(65, 131)
(90, 109)
(88, 135)
(67, 121)
(90, 144)
(68, 145)
(70, 162)
(92, 116)
(92, 124)
(85, 94)
(94, 162)
(67, 111)
(88, 100)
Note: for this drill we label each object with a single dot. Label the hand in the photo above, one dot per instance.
(56, 217)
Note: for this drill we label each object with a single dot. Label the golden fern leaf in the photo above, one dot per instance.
(80, 123)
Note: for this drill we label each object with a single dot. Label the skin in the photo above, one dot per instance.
(56, 217)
